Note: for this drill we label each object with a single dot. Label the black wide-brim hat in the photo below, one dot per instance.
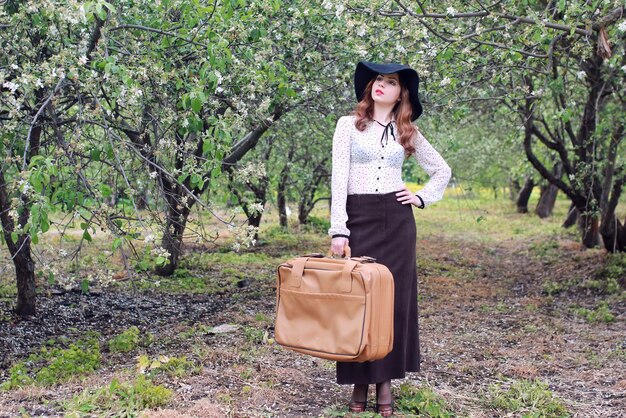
(365, 71)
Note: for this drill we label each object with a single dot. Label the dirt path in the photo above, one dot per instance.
(485, 323)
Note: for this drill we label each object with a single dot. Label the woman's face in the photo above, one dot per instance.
(386, 89)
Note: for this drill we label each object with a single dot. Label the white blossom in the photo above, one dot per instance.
(24, 186)
(257, 207)
(148, 239)
(581, 75)
(361, 31)
(339, 10)
(11, 86)
(624, 68)
(401, 49)
(445, 82)
(450, 11)
(160, 252)
(82, 60)
(622, 26)
(153, 174)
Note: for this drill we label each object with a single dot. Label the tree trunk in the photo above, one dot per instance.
(613, 234)
(547, 199)
(590, 227)
(20, 250)
(281, 202)
(612, 230)
(25, 274)
(572, 216)
(173, 238)
(524, 195)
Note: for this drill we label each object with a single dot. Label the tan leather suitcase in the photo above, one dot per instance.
(337, 309)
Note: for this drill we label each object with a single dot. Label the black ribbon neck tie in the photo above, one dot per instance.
(388, 127)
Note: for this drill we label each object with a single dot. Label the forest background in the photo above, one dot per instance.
(139, 137)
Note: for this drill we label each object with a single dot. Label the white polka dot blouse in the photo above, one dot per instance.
(363, 164)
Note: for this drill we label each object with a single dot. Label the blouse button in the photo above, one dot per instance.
(382, 158)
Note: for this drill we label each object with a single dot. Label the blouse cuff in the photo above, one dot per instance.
(421, 206)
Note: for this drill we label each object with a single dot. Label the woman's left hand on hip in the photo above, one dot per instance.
(406, 196)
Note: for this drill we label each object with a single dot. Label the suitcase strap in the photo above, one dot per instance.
(345, 286)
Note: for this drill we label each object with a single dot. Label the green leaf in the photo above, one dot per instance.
(196, 104)
(95, 154)
(45, 225)
(51, 278)
(84, 286)
(117, 242)
(108, 148)
(447, 54)
(14, 237)
(207, 147)
(87, 236)
(35, 181)
(105, 190)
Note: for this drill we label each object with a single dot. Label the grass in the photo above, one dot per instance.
(127, 340)
(615, 268)
(480, 217)
(602, 313)
(118, 399)
(410, 401)
(421, 401)
(527, 398)
(170, 366)
(54, 365)
(8, 289)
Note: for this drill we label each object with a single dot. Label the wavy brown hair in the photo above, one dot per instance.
(407, 132)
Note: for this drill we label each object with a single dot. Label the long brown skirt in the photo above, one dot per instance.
(383, 228)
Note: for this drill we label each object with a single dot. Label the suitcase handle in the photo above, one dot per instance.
(347, 252)
(345, 285)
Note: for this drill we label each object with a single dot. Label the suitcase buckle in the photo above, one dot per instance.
(365, 259)
(313, 255)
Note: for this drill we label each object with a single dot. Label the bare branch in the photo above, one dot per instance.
(34, 122)
(159, 31)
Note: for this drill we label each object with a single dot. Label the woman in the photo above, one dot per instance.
(371, 209)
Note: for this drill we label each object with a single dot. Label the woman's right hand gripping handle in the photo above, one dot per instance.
(338, 246)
